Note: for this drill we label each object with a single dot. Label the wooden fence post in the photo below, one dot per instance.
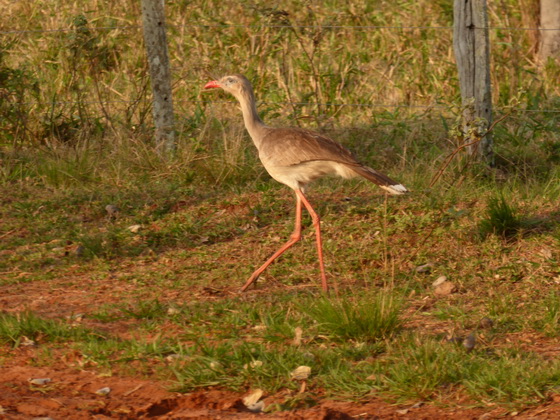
(550, 35)
(153, 17)
(472, 53)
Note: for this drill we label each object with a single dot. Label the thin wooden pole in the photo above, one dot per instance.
(550, 35)
(472, 52)
(153, 17)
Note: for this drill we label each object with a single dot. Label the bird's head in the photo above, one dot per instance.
(236, 84)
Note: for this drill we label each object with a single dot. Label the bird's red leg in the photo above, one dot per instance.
(317, 224)
(295, 236)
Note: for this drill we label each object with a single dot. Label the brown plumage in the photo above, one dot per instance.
(295, 157)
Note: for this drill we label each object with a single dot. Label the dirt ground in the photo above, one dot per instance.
(71, 394)
(72, 390)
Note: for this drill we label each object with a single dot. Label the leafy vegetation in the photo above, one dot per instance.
(501, 219)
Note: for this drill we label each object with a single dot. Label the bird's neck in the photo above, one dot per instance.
(254, 125)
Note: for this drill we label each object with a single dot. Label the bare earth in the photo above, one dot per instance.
(71, 394)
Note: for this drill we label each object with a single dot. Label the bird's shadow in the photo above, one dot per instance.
(532, 225)
(540, 223)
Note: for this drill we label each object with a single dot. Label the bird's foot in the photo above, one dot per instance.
(251, 281)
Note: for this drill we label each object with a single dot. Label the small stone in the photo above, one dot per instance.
(445, 288)
(76, 318)
(469, 342)
(298, 332)
(258, 407)
(301, 373)
(253, 365)
(134, 228)
(39, 381)
(439, 280)
(173, 311)
(103, 391)
(27, 342)
(402, 412)
(253, 398)
(256, 364)
(112, 210)
(424, 268)
(486, 323)
(173, 357)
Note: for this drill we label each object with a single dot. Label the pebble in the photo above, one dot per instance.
(253, 399)
(111, 209)
(445, 288)
(439, 280)
(424, 268)
(39, 381)
(103, 391)
(258, 407)
(173, 311)
(298, 332)
(469, 342)
(27, 342)
(134, 228)
(486, 323)
(301, 373)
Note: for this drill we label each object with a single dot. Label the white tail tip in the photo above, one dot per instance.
(395, 189)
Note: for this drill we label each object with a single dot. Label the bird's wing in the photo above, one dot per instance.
(293, 146)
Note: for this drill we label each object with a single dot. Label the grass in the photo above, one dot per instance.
(422, 368)
(371, 319)
(156, 282)
(27, 326)
(501, 219)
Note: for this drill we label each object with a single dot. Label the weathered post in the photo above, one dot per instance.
(550, 30)
(472, 53)
(153, 17)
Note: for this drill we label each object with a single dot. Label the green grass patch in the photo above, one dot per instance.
(30, 328)
(368, 318)
(501, 219)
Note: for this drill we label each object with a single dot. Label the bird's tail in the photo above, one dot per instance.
(380, 179)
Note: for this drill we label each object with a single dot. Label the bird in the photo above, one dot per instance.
(295, 157)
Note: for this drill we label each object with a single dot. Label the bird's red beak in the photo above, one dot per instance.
(212, 84)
